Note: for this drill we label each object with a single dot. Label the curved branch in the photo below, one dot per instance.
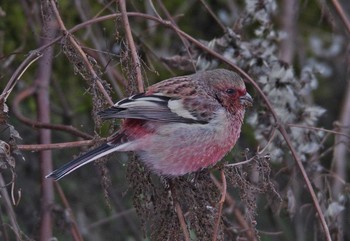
(16, 111)
(33, 56)
(236, 211)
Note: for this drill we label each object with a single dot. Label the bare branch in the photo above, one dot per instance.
(131, 44)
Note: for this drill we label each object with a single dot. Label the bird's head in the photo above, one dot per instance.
(228, 89)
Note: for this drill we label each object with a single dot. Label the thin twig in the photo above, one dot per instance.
(307, 182)
(33, 56)
(182, 221)
(319, 129)
(3, 230)
(221, 204)
(11, 215)
(81, 53)
(342, 14)
(131, 44)
(111, 218)
(217, 20)
(74, 227)
(54, 146)
(183, 40)
(236, 211)
(37, 124)
(240, 163)
(104, 57)
(179, 212)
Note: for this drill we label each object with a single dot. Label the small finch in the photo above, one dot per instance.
(179, 125)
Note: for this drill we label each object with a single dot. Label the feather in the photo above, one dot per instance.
(155, 107)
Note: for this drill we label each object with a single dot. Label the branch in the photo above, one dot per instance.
(236, 211)
(82, 54)
(172, 21)
(55, 146)
(342, 14)
(37, 124)
(346, 110)
(131, 44)
(221, 204)
(247, 77)
(290, 10)
(279, 125)
(74, 227)
(42, 85)
(11, 215)
(32, 57)
(179, 212)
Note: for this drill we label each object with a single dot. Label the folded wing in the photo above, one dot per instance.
(161, 108)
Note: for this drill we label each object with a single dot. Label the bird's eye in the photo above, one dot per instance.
(230, 91)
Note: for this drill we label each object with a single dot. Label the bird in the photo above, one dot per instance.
(177, 126)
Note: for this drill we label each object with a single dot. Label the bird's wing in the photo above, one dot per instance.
(163, 108)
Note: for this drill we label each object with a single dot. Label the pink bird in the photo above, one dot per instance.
(179, 125)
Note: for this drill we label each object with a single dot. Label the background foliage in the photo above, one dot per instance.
(296, 53)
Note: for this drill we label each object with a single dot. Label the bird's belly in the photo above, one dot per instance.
(177, 151)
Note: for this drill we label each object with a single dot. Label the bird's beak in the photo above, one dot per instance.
(246, 100)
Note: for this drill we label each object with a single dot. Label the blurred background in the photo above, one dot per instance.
(53, 82)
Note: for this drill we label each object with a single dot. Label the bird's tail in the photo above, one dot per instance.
(84, 159)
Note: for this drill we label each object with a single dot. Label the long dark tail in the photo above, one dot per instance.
(86, 158)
